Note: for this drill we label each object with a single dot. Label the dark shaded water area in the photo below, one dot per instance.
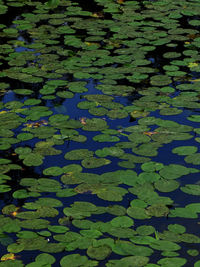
(99, 133)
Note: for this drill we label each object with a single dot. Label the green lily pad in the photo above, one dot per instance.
(58, 229)
(195, 118)
(33, 159)
(105, 138)
(95, 124)
(173, 171)
(111, 193)
(183, 213)
(15, 248)
(185, 150)
(49, 202)
(26, 234)
(116, 210)
(25, 136)
(191, 189)
(138, 213)
(34, 224)
(193, 159)
(93, 162)
(164, 245)
(127, 248)
(45, 258)
(176, 261)
(176, 228)
(134, 261)
(78, 154)
(193, 252)
(99, 253)
(109, 151)
(144, 177)
(164, 185)
(157, 210)
(53, 171)
(23, 91)
(160, 80)
(122, 221)
(145, 230)
(12, 263)
(142, 240)
(5, 188)
(73, 260)
(151, 166)
(22, 193)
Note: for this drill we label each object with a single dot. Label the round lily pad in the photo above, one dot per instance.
(122, 221)
(45, 258)
(173, 171)
(33, 159)
(99, 253)
(185, 150)
(151, 166)
(93, 162)
(54, 171)
(164, 185)
(145, 230)
(73, 260)
(193, 159)
(134, 261)
(176, 228)
(176, 261)
(164, 245)
(160, 80)
(78, 154)
(95, 124)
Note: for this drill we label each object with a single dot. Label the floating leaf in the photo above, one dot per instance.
(122, 221)
(33, 159)
(93, 162)
(176, 228)
(164, 185)
(54, 171)
(173, 171)
(193, 159)
(172, 262)
(99, 253)
(45, 258)
(78, 154)
(191, 189)
(164, 245)
(73, 260)
(185, 150)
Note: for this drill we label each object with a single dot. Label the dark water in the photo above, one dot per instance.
(139, 53)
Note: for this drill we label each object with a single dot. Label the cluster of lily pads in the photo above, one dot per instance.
(99, 133)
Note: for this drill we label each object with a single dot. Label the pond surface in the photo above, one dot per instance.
(100, 133)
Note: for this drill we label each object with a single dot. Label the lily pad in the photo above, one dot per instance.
(193, 159)
(33, 159)
(185, 150)
(73, 260)
(176, 261)
(99, 253)
(93, 162)
(53, 171)
(78, 154)
(173, 171)
(95, 124)
(164, 185)
(134, 261)
(164, 245)
(122, 221)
